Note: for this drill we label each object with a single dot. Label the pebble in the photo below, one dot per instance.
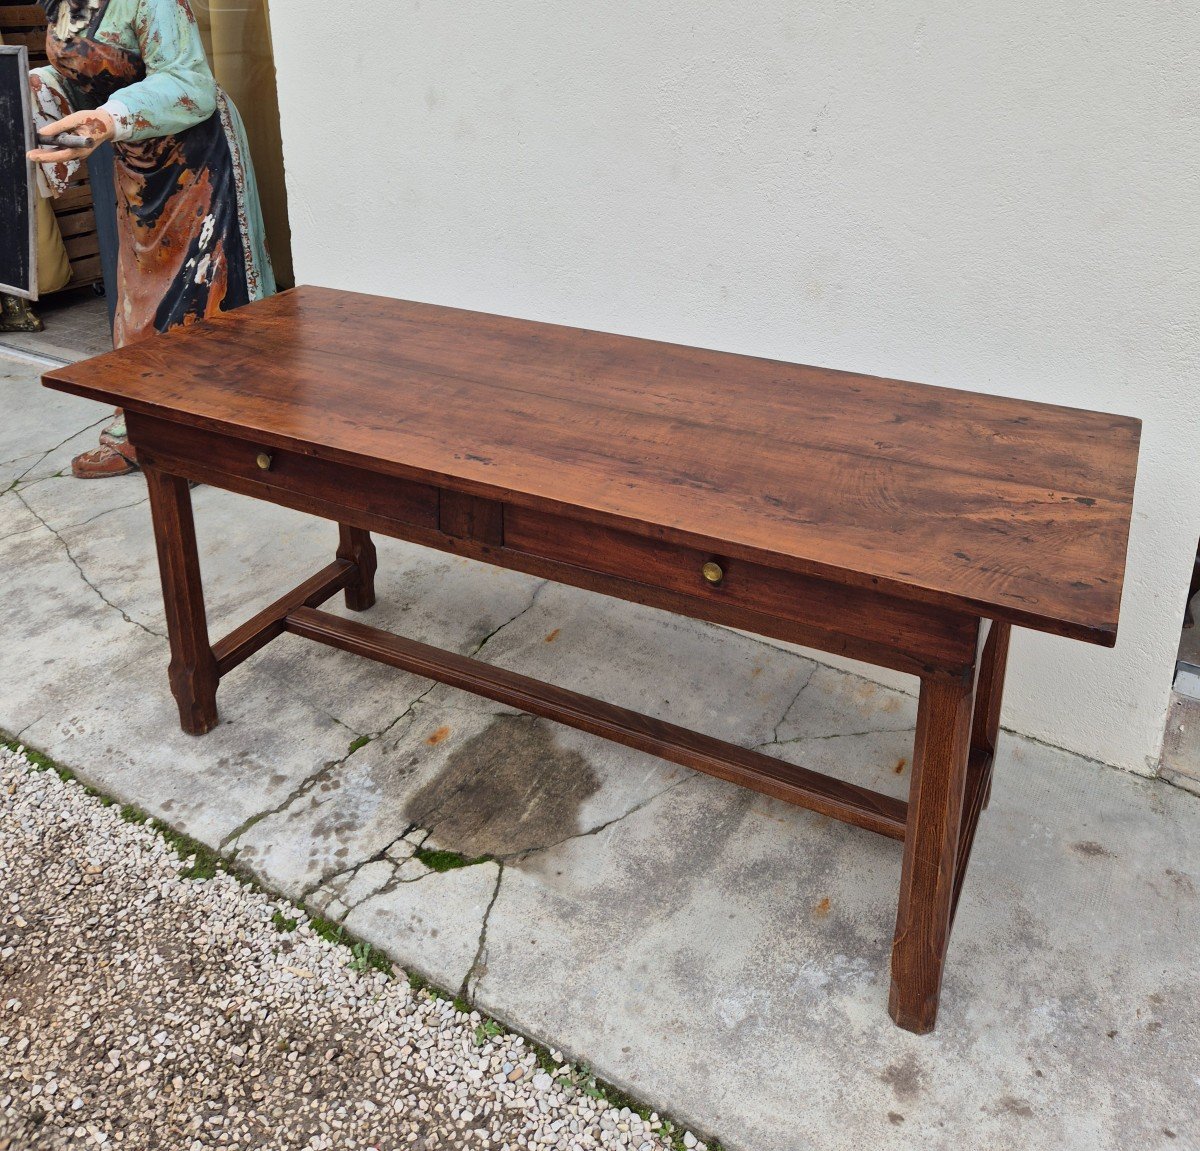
(143, 1009)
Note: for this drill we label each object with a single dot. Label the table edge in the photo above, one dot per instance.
(1103, 634)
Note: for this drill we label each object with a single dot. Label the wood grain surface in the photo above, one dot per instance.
(1002, 508)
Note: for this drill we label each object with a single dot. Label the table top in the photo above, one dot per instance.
(997, 507)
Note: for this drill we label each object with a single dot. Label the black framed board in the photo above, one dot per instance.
(18, 240)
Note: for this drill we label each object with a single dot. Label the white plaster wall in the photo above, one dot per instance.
(1001, 197)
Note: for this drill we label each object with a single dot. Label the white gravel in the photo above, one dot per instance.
(143, 1009)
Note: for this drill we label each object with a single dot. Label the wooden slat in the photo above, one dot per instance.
(22, 16)
(79, 248)
(34, 41)
(77, 196)
(77, 223)
(809, 789)
(86, 271)
(257, 632)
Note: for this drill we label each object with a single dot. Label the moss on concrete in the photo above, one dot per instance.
(447, 860)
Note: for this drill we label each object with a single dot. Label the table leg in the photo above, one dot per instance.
(357, 546)
(935, 807)
(193, 670)
(985, 728)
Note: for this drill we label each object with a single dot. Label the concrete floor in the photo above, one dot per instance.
(721, 955)
(76, 327)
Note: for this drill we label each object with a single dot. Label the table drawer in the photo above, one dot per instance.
(820, 613)
(288, 477)
(658, 563)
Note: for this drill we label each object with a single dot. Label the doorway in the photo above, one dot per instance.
(1181, 747)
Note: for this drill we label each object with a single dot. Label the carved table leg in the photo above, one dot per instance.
(935, 807)
(985, 728)
(357, 546)
(193, 670)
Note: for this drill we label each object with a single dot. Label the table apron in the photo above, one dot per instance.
(844, 620)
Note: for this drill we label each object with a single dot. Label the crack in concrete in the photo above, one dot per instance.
(342, 724)
(337, 880)
(12, 487)
(788, 710)
(385, 888)
(101, 515)
(537, 591)
(481, 949)
(298, 792)
(407, 712)
(31, 723)
(833, 735)
(62, 443)
(83, 575)
(338, 892)
(310, 781)
(81, 523)
(20, 532)
(641, 805)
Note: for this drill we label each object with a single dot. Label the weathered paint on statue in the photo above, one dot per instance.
(191, 234)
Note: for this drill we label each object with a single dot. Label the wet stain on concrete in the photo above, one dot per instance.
(554, 635)
(905, 1077)
(1091, 848)
(507, 790)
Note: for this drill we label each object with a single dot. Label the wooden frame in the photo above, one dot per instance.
(907, 526)
(25, 24)
(29, 290)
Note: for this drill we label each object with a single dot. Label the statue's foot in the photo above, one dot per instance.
(17, 315)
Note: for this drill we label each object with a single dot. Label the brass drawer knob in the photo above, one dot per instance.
(264, 461)
(713, 572)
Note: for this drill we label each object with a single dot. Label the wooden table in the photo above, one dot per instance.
(901, 524)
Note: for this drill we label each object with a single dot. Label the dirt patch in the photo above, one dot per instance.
(1091, 848)
(906, 1077)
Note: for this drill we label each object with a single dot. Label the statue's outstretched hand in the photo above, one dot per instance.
(94, 125)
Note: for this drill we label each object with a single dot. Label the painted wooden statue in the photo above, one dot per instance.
(190, 226)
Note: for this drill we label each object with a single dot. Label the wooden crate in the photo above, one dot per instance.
(26, 24)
